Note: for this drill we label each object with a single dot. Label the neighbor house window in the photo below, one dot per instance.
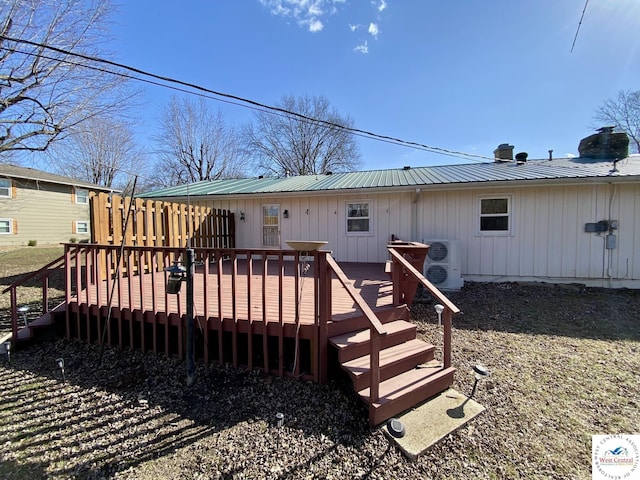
(495, 215)
(6, 225)
(5, 187)
(359, 218)
(82, 227)
(82, 195)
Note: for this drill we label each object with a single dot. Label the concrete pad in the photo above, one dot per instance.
(433, 420)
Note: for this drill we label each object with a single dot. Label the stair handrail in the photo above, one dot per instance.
(42, 274)
(376, 329)
(449, 307)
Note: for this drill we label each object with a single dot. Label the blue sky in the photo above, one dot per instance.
(459, 74)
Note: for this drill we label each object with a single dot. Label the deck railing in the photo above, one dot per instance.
(139, 305)
(406, 277)
(376, 329)
(43, 275)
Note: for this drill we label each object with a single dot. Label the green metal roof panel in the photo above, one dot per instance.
(570, 168)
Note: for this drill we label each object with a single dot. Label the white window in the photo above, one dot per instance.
(82, 227)
(495, 215)
(271, 225)
(5, 187)
(359, 218)
(82, 195)
(6, 226)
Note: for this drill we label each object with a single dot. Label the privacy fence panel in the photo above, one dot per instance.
(117, 220)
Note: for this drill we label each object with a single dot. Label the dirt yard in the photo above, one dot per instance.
(564, 365)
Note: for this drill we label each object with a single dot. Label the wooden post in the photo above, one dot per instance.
(447, 338)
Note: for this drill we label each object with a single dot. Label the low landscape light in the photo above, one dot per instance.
(439, 309)
(396, 428)
(7, 349)
(479, 372)
(279, 419)
(23, 310)
(60, 362)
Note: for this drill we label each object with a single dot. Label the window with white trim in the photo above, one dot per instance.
(359, 218)
(6, 226)
(495, 215)
(82, 195)
(5, 187)
(82, 227)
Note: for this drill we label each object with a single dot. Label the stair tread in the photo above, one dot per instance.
(361, 336)
(405, 383)
(360, 365)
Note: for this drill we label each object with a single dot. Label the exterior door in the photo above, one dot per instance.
(271, 225)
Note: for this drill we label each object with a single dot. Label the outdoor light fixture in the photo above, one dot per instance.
(177, 273)
(7, 349)
(60, 362)
(480, 372)
(439, 309)
(242, 216)
(279, 419)
(285, 214)
(23, 310)
(396, 428)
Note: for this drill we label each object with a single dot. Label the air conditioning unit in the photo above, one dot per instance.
(442, 265)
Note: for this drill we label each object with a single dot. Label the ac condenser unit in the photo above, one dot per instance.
(442, 265)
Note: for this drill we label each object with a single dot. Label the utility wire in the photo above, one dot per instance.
(579, 23)
(245, 101)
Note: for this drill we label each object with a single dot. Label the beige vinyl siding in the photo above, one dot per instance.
(548, 240)
(390, 214)
(44, 212)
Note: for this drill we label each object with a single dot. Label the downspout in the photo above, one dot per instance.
(414, 216)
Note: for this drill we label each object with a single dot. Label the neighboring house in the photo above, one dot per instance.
(559, 220)
(41, 206)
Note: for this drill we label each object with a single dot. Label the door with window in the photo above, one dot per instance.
(271, 225)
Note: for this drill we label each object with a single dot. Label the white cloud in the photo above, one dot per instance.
(364, 48)
(353, 28)
(571, 155)
(382, 5)
(315, 25)
(307, 13)
(373, 30)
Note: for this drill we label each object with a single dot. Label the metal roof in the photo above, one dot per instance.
(466, 174)
(8, 170)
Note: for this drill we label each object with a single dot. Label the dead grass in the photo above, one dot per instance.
(16, 262)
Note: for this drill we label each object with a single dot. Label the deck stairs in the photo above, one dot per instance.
(409, 372)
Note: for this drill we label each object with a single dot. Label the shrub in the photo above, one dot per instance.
(32, 243)
(73, 240)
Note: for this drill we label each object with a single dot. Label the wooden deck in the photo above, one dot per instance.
(242, 292)
(278, 311)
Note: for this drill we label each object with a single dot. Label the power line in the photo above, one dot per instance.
(579, 23)
(237, 100)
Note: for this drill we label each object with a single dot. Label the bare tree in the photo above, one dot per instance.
(195, 144)
(44, 93)
(284, 144)
(103, 151)
(624, 113)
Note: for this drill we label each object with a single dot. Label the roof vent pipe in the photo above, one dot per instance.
(407, 167)
(550, 155)
(521, 157)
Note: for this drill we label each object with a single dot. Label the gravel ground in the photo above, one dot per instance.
(564, 365)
